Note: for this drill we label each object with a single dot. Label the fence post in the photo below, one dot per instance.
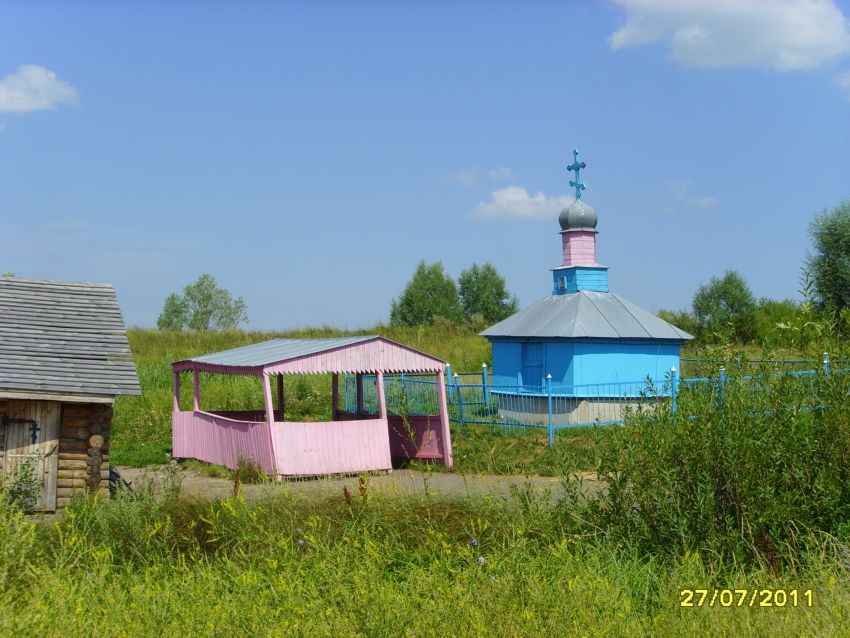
(449, 382)
(551, 425)
(722, 389)
(826, 363)
(459, 398)
(674, 388)
(484, 382)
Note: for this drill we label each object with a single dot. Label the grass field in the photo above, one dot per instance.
(170, 566)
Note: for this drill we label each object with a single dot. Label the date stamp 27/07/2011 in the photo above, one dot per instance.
(746, 598)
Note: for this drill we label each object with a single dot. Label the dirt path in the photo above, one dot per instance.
(398, 482)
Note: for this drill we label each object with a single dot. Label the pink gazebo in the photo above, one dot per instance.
(351, 442)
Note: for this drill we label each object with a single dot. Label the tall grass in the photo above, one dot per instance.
(747, 472)
(377, 566)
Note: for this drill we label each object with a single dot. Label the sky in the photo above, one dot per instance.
(309, 155)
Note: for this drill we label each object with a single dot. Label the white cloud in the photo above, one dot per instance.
(515, 202)
(680, 195)
(464, 176)
(34, 88)
(842, 81)
(778, 34)
(503, 172)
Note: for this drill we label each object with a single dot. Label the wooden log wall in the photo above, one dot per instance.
(83, 450)
(83, 455)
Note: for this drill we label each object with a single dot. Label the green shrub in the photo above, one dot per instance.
(745, 473)
(23, 491)
(249, 472)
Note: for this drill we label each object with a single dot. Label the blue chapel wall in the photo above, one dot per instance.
(582, 363)
(508, 354)
(613, 363)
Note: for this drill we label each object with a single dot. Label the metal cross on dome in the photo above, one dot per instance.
(577, 166)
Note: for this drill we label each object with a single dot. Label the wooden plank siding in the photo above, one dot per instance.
(306, 448)
(63, 339)
(217, 439)
(332, 447)
(32, 436)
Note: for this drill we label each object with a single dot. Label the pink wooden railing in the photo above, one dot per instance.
(303, 449)
(332, 447)
(422, 441)
(220, 440)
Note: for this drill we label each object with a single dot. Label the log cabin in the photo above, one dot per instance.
(64, 358)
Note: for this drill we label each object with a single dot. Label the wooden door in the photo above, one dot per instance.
(532, 363)
(32, 447)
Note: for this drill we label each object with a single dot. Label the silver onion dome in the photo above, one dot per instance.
(578, 216)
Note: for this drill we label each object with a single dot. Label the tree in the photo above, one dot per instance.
(429, 294)
(830, 264)
(725, 306)
(202, 306)
(771, 318)
(682, 319)
(483, 292)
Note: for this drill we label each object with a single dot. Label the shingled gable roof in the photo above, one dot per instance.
(63, 341)
(339, 354)
(586, 315)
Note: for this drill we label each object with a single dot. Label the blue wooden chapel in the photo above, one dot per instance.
(582, 333)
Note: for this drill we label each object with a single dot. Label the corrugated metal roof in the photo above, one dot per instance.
(369, 354)
(63, 338)
(275, 351)
(586, 315)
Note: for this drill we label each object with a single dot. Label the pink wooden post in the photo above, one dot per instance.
(176, 404)
(267, 397)
(334, 395)
(444, 419)
(382, 403)
(196, 385)
(280, 395)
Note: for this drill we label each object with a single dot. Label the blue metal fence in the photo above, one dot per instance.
(508, 407)
(473, 400)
